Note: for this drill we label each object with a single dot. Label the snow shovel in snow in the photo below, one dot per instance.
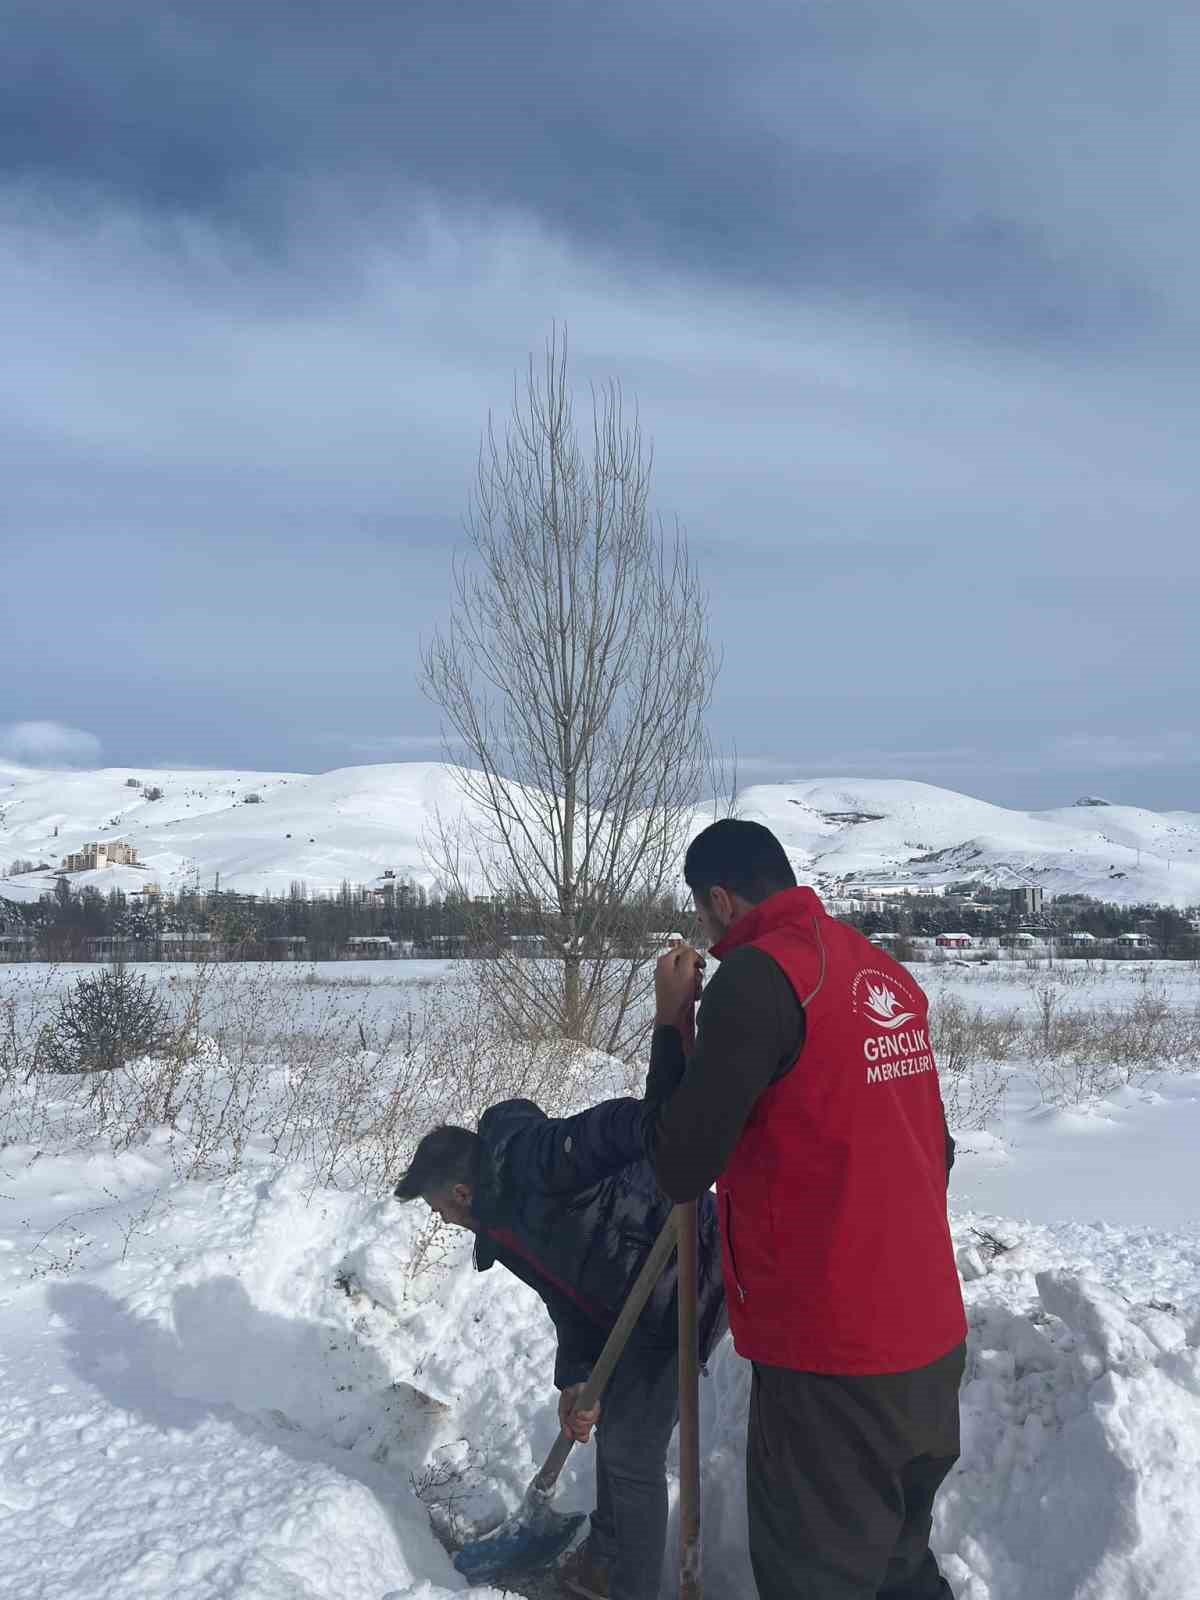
(536, 1534)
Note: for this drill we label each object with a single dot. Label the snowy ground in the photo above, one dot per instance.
(256, 1388)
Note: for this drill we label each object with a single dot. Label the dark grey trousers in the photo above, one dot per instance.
(841, 1475)
(629, 1524)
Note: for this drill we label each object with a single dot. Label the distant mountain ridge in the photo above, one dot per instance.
(356, 822)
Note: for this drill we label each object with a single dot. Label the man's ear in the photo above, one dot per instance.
(463, 1194)
(721, 904)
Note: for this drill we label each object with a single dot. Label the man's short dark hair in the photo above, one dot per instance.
(446, 1156)
(744, 858)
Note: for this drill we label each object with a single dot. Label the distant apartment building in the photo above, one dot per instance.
(107, 853)
(1029, 901)
(17, 946)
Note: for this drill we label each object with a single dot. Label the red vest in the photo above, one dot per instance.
(837, 1248)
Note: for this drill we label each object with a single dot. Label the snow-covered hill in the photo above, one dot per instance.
(356, 822)
(889, 830)
(319, 829)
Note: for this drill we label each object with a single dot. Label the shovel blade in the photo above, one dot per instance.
(520, 1544)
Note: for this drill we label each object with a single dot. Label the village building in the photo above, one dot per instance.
(102, 853)
(17, 946)
(370, 947)
(114, 947)
(955, 941)
(190, 945)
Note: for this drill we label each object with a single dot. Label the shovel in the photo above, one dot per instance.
(687, 1228)
(536, 1534)
(690, 1582)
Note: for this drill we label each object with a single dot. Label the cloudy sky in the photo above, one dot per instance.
(906, 291)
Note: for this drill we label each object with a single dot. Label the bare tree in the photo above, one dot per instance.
(573, 678)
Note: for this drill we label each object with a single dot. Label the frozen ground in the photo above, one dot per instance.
(254, 1388)
(1123, 1156)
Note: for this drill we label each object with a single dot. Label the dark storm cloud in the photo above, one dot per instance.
(905, 293)
(903, 152)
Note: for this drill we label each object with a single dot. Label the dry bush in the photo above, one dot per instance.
(1080, 1055)
(253, 1057)
(969, 1047)
(27, 1093)
(1075, 1047)
(104, 1020)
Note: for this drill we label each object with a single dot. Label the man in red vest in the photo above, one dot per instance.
(811, 1098)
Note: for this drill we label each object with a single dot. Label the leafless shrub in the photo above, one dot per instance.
(1075, 1047)
(104, 1020)
(1089, 1053)
(969, 1046)
(251, 1057)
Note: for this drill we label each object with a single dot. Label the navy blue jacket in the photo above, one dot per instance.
(572, 1207)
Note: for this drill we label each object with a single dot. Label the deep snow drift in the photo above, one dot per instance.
(356, 822)
(212, 1390)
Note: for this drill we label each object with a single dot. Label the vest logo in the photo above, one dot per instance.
(899, 1050)
(881, 1005)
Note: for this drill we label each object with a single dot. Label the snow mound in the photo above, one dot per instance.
(1081, 1449)
(226, 1414)
(1080, 1452)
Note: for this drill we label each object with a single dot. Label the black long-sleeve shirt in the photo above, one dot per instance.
(750, 1032)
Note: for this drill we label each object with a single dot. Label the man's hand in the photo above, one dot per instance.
(678, 979)
(576, 1425)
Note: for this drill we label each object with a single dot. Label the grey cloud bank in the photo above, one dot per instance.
(905, 292)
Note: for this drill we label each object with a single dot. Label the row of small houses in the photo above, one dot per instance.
(380, 947)
(1079, 942)
(204, 947)
(281, 947)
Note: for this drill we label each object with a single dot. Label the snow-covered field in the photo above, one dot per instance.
(252, 1386)
(353, 823)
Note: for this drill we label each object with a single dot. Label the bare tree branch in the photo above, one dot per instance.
(574, 674)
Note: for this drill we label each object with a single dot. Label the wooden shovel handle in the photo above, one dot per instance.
(687, 1226)
(652, 1270)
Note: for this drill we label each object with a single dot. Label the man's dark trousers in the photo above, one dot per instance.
(841, 1477)
(629, 1524)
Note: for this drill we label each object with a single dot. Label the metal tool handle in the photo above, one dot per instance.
(652, 1270)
